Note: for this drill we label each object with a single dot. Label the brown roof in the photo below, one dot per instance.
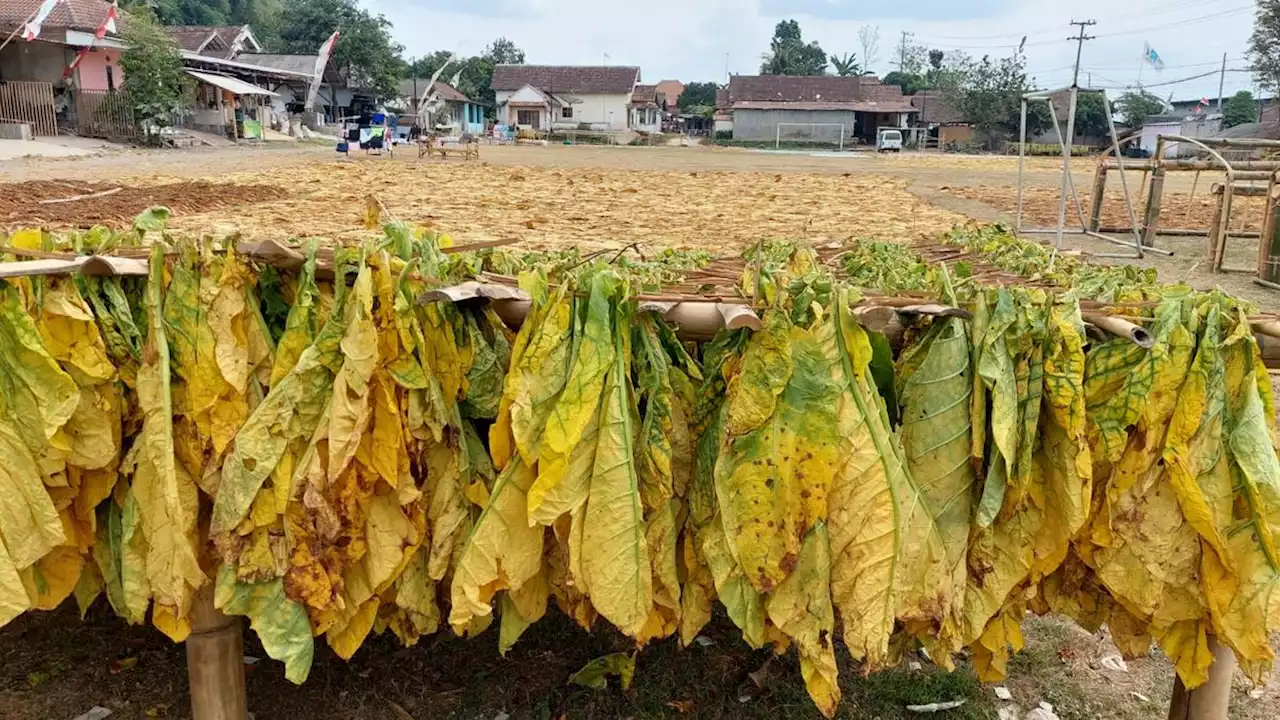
(807, 88)
(645, 96)
(672, 89)
(66, 15)
(443, 90)
(936, 107)
(722, 99)
(854, 105)
(216, 40)
(567, 78)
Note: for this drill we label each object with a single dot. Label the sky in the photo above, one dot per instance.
(698, 40)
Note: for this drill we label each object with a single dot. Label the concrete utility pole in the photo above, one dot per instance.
(902, 50)
(1222, 76)
(1080, 38)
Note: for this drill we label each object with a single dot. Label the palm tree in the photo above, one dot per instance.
(846, 65)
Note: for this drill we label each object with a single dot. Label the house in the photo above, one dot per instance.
(219, 41)
(942, 119)
(544, 97)
(453, 109)
(671, 90)
(646, 109)
(723, 118)
(766, 107)
(38, 86)
(335, 98)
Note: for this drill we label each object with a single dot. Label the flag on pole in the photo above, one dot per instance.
(109, 23)
(322, 60)
(32, 30)
(1152, 57)
(108, 26)
(457, 77)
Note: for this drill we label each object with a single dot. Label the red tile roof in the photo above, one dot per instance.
(645, 96)
(584, 79)
(812, 89)
(66, 15)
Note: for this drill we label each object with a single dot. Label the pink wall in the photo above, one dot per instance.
(93, 69)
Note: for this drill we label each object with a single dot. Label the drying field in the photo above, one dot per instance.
(61, 204)
(1178, 209)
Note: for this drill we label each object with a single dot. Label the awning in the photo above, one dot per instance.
(238, 87)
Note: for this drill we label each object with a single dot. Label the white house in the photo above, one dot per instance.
(546, 97)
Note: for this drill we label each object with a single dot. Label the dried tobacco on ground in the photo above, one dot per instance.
(335, 453)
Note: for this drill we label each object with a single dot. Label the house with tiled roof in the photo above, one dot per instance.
(447, 108)
(817, 108)
(646, 109)
(224, 41)
(546, 97)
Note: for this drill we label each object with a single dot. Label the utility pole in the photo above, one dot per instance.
(1080, 38)
(902, 50)
(1222, 76)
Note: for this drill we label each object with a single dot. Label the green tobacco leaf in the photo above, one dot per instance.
(596, 673)
(281, 624)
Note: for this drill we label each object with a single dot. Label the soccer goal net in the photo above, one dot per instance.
(825, 133)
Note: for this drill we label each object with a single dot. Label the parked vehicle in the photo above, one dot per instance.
(889, 141)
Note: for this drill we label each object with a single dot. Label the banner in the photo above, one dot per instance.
(322, 61)
(32, 30)
(1152, 57)
(108, 26)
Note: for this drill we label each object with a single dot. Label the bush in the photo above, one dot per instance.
(1011, 148)
(724, 135)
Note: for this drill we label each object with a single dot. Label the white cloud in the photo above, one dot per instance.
(690, 39)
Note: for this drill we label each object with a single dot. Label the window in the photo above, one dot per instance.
(111, 78)
(566, 112)
(528, 117)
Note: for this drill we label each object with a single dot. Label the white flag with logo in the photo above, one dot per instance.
(1152, 57)
(32, 30)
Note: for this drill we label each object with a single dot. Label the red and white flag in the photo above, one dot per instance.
(109, 23)
(322, 60)
(108, 26)
(32, 30)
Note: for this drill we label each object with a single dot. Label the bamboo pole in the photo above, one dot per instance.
(1211, 700)
(1099, 196)
(1151, 220)
(215, 662)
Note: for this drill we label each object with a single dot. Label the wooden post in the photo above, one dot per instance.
(1151, 221)
(1211, 700)
(1268, 245)
(1099, 196)
(1215, 224)
(215, 662)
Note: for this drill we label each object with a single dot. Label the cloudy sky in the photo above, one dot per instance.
(698, 39)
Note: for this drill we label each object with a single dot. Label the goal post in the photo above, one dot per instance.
(833, 137)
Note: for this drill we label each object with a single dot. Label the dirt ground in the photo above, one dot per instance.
(595, 197)
(54, 666)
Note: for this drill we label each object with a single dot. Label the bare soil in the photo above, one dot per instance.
(69, 204)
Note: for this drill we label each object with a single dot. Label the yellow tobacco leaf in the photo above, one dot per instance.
(350, 408)
(539, 369)
(522, 608)
(347, 640)
(570, 495)
(576, 406)
(13, 595)
(166, 495)
(664, 616)
(744, 603)
(615, 555)
(502, 553)
(991, 651)
(36, 390)
(447, 511)
(416, 598)
(697, 592)
(772, 480)
(885, 549)
(801, 609)
(29, 522)
(53, 577)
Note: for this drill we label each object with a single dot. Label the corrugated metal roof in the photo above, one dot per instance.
(239, 87)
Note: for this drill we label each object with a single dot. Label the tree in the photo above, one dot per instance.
(846, 65)
(1264, 45)
(789, 55)
(869, 41)
(156, 80)
(698, 94)
(1091, 115)
(909, 82)
(365, 54)
(1135, 105)
(935, 59)
(989, 93)
(475, 74)
(910, 58)
(1239, 109)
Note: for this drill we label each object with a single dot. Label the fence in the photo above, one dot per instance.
(31, 103)
(105, 114)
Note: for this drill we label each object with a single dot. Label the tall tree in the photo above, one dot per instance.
(846, 65)
(1091, 115)
(154, 75)
(698, 95)
(1135, 105)
(988, 93)
(869, 41)
(1264, 45)
(365, 52)
(1239, 109)
(935, 59)
(475, 74)
(909, 57)
(789, 55)
(909, 82)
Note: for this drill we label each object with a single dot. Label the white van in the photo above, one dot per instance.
(889, 140)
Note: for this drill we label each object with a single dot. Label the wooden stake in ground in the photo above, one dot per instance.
(1211, 700)
(215, 662)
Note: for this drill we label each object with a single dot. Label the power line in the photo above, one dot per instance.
(1179, 23)
(1159, 9)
